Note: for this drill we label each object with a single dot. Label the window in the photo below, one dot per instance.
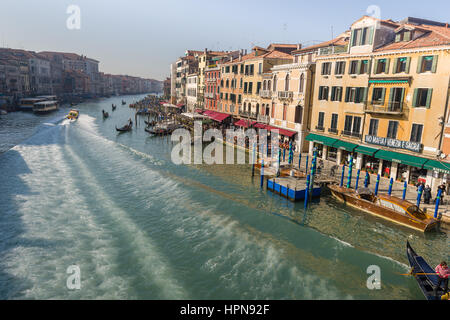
(382, 66)
(339, 68)
(403, 36)
(353, 67)
(302, 83)
(250, 87)
(355, 95)
(245, 87)
(392, 129)
(364, 67)
(348, 124)
(326, 68)
(356, 126)
(402, 65)
(361, 37)
(298, 114)
(284, 111)
(373, 127)
(396, 99)
(286, 83)
(323, 93)
(378, 96)
(416, 132)
(336, 94)
(240, 84)
(320, 121)
(258, 87)
(275, 83)
(251, 69)
(427, 64)
(422, 97)
(260, 68)
(334, 122)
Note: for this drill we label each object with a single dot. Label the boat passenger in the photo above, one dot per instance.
(443, 272)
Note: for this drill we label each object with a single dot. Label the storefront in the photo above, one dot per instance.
(370, 164)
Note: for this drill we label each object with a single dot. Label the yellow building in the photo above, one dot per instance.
(385, 100)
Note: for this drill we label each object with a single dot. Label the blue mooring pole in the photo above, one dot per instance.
(253, 160)
(262, 173)
(377, 185)
(391, 182)
(306, 191)
(438, 200)
(366, 180)
(284, 154)
(342, 176)
(357, 178)
(405, 185)
(419, 195)
(299, 160)
(307, 160)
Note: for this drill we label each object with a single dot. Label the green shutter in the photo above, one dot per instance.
(414, 102)
(383, 95)
(365, 94)
(397, 37)
(388, 64)
(419, 64)
(395, 65)
(429, 94)
(369, 66)
(407, 36)
(375, 66)
(435, 60)
(347, 93)
(351, 38)
(391, 94)
(358, 71)
(408, 62)
(371, 35)
(403, 96)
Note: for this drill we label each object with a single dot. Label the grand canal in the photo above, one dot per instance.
(140, 227)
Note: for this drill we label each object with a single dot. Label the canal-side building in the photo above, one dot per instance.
(191, 91)
(292, 88)
(385, 100)
(212, 87)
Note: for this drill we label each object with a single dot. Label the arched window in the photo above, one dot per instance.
(245, 106)
(286, 83)
(249, 107)
(227, 83)
(257, 108)
(268, 85)
(264, 85)
(275, 83)
(302, 83)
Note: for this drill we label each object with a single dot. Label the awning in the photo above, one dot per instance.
(244, 123)
(217, 116)
(366, 150)
(437, 166)
(388, 81)
(339, 144)
(320, 139)
(199, 111)
(284, 132)
(260, 125)
(401, 158)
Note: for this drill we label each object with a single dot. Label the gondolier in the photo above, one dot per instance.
(443, 272)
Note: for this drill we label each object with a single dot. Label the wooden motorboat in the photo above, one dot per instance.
(425, 275)
(387, 207)
(73, 114)
(105, 114)
(126, 127)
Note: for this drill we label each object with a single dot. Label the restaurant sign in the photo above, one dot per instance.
(394, 143)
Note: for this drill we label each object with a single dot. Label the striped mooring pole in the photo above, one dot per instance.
(405, 185)
(366, 180)
(307, 160)
(419, 195)
(350, 170)
(377, 185)
(342, 176)
(391, 182)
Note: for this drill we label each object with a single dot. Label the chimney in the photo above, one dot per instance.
(299, 46)
(240, 56)
(206, 50)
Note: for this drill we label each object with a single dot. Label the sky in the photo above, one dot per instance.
(142, 37)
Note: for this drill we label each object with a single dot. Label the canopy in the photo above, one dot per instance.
(321, 139)
(339, 144)
(217, 116)
(244, 123)
(401, 158)
(437, 166)
(366, 150)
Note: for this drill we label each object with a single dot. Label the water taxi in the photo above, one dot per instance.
(388, 207)
(45, 106)
(73, 114)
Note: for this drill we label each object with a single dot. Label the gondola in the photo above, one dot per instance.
(150, 123)
(113, 107)
(123, 102)
(425, 275)
(126, 127)
(105, 114)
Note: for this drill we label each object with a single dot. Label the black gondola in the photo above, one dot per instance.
(105, 114)
(123, 102)
(425, 275)
(150, 123)
(113, 107)
(126, 127)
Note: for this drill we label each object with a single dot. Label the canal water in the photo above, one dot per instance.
(140, 227)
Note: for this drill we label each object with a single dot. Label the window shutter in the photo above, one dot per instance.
(351, 38)
(391, 94)
(419, 64)
(383, 95)
(414, 102)
(434, 67)
(397, 37)
(369, 66)
(340, 94)
(395, 66)
(408, 62)
(365, 92)
(371, 35)
(358, 71)
(403, 97)
(407, 36)
(388, 64)
(347, 93)
(429, 94)
(375, 66)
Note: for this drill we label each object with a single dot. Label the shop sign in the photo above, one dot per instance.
(394, 143)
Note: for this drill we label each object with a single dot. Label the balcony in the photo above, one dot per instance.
(333, 130)
(320, 128)
(263, 119)
(248, 114)
(392, 107)
(209, 95)
(265, 94)
(351, 134)
(285, 95)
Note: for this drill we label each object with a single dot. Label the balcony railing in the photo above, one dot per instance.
(248, 114)
(262, 118)
(265, 93)
(392, 107)
(285, 94)
(320, 128)
(351, 134)
(333, 130)
(209, 95)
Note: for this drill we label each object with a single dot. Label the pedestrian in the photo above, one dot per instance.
(442, 187)
(427, 194)
(442, 272)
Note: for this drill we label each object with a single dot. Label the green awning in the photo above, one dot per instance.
(320, 139)
(437, 166)
(339, 144)
(387, 81)
(401, 158)
(366, 150)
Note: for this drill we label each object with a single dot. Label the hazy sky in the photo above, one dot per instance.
(142, 38)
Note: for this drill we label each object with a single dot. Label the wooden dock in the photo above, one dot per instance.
(292, 188)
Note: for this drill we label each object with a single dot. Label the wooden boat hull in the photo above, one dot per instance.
(349, 197)
(123, 129)
(423, 274)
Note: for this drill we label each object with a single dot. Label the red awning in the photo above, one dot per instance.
(217, 116)
(180, 105)
(200, 111)
(260, 125)
(244, 123)
(284, 132)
